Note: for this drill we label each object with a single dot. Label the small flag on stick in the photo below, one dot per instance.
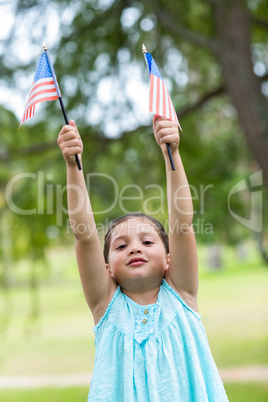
(159, 99)
(44, 88)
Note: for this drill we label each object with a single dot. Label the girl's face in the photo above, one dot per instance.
(137, 254)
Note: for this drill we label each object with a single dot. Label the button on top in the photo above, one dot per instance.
(144, 321)
(146, 311)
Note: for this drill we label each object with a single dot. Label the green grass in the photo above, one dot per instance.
(72, 394)
(247, 392)
(234, 313)
(236, 393)
(58, 341)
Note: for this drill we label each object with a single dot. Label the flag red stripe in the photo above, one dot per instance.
(157, 95)
(43, 99)
(44, 91)
(164, 98)
(151, 93)
(29, 112)
(41, 84)
(169, 107)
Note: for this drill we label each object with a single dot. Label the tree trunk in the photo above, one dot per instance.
(233, 27)
(261, 246)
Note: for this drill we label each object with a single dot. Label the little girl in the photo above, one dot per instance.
(150, 341)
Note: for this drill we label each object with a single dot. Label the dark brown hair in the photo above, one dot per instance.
(156, 224)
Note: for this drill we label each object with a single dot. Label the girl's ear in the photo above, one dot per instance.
(168, 262)
(109, 270)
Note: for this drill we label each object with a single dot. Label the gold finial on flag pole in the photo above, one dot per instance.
(144, 50)
(44, 46)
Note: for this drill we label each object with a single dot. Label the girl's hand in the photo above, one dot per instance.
(166, 131)
(70, 143)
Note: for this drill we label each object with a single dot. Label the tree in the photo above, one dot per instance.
(233, 48)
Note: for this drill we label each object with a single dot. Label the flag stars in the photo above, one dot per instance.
(43, 70)
(152, 66)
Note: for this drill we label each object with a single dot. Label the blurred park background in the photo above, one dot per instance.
(213, 56)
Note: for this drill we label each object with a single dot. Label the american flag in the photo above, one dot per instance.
(159, 100)
(43, 88)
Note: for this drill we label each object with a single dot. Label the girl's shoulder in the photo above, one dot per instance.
(103, 311)
(184, 298)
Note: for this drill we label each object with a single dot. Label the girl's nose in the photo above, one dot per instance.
(135, 250)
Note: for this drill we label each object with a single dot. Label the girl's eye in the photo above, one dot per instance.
(121, 247)
(147, 242)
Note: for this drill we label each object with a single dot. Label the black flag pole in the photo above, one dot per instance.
(144, 50)
(59, 96)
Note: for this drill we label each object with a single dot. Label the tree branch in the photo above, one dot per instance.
(200, 102)
(208, 96)
(259, 21)
(179, 30)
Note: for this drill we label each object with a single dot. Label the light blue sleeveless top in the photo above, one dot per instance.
(158, 352)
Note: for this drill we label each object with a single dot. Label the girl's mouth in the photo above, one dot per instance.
(136, 261)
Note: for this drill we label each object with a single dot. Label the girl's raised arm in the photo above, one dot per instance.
(97, 283)
(183, 270)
